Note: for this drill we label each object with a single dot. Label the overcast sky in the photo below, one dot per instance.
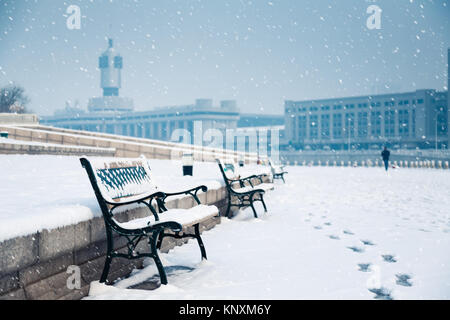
(257, 52)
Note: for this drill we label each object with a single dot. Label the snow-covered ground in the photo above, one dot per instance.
(331, 233)
(45, 192)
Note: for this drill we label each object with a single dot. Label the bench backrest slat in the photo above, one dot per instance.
(228, 171)
(121, 178)
(276, 169)
(230, 168)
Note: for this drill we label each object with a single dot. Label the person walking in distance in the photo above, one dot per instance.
(386, 154)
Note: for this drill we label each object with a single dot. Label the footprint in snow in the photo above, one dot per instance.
(334, 237)
(327, 223)
(317, 227)
(403, 280)
(367, 243)
(348, 232)
(381, 293)
(364, 267)
(389, 258)
(356, 249)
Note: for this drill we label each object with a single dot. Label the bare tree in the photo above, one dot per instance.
(13, 99)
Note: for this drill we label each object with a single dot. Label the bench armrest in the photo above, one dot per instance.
(149, 228)
(192, 192)
(143, 200)
(136, 199)
(250, 192)
(255, 176)
(261, 176)
(243, 179)
(249, 177)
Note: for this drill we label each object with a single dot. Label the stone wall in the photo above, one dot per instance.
(62, 150)
(35, 266)
(127, 147)
(14, 118)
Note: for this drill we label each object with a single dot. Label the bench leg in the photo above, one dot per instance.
(282, 178)
(109, 252)
(162, 272)
(200, 242)
(263, 203)
(105, 272)
(160, 239)
(254, 210)
(253, 207)
(228, 213)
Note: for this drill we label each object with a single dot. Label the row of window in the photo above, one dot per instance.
(350, 106)
(344, 125)
(139, 130)
(103, 62)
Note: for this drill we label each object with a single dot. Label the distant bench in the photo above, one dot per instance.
(242, 188)
(278, 171)
(120, 182)
(245, 175)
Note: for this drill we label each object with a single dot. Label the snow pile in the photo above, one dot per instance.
(331, 233)
(185, 217)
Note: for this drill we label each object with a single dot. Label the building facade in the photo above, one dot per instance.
(110, 64)
(156, 124)
(448, 98)
(265, 141)
(403, 120)
(260, 120)
(114, 114)
(200, 123)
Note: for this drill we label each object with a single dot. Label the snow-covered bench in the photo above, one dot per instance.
(245, 177)
(123, 182)
(236, 186)
(278, 172)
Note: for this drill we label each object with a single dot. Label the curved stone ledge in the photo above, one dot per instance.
(24, 148)
(35, 266)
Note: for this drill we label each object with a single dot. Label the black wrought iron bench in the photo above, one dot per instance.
(242, 189)
(124, 182)
(232, 171)
(278, 172)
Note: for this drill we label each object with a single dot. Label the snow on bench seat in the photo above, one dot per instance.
(262, 186)
(185, 217)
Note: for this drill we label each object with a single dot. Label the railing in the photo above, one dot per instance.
(14, 118)
(125, 146)
(431, 164)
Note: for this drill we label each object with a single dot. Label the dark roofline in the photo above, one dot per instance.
(362, 96)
